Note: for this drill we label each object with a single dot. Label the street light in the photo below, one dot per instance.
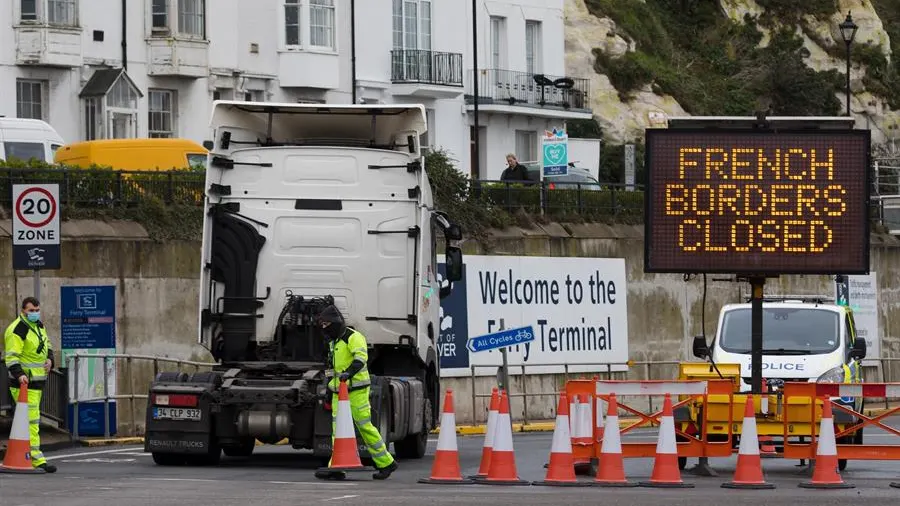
(848, 32)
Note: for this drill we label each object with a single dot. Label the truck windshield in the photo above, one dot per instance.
(785, 331)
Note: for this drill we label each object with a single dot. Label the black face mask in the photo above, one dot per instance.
(332, 331)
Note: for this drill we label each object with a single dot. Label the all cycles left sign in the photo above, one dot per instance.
(36, 228)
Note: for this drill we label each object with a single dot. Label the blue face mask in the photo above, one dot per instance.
(33, 317)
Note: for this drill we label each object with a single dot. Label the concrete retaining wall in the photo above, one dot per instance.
(158, 295)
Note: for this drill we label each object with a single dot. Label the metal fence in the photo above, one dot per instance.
(512, 88)
(56, 401)
(102, 188)
(561, 199)
(426, 67)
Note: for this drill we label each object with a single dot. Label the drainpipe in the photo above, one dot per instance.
(124, 37)
(352, 47)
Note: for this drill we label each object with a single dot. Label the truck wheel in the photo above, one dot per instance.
(413, 446)
(245, 449)
(168, 459)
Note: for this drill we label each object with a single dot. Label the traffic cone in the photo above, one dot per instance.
(18, 448)
(825, 474)
(503, 458)
(489, 435)
(665, 465)
(344, 452)
(766, 448)
(561, 469)
(445, 469)
(749, 467)
(611, 468)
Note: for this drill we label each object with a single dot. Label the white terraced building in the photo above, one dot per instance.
(99, 69)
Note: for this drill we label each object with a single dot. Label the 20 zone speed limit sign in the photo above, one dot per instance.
(35, 222)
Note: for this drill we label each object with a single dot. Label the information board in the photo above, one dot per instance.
(757, 202)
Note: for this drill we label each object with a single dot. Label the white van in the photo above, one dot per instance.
(28, 138)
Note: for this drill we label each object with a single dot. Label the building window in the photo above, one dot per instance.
(161, 121)
(412, 24)
(526, 145)
(159, 12)
(292, 22)
(29, 10)
(321, 23)
(29, 99)
(190, 16)
(54, 12)
(532, 46)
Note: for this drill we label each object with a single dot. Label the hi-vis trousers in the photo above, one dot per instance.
(34, 423)
(362, 418)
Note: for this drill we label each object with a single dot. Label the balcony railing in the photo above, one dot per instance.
(426, 67)
(508, 87)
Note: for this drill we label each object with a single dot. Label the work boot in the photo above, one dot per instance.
(385, 472)
(48, 468)
(327, 474)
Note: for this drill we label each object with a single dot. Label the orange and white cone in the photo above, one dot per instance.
(749, 466)
(561, 469)
(489, 435)
(825, 474)
(665, 465)
(18, 448)
(445, 469)
(584, 432)
(503, 457)
(611, 468)
(766, 448)
(344, 452)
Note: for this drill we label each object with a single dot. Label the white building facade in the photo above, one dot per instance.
(62, 61)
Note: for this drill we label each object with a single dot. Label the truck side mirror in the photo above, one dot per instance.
(859, 349)
(453, 262)
(453, 232)
(701, 350)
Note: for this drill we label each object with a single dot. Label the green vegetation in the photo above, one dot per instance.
(711, 65)
(883, 78)
(167, 203)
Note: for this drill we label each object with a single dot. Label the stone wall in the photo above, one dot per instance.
(157, 289)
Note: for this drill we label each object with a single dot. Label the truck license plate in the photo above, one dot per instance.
(191, 414)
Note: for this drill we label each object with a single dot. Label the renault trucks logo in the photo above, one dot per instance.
(454, 324)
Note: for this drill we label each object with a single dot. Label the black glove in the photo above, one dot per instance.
(345, 376)
(354, 368)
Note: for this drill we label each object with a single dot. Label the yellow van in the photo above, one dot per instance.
(134, 154)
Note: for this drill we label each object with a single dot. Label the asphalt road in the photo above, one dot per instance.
(125, 476)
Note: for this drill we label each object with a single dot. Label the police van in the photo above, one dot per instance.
(805, 338)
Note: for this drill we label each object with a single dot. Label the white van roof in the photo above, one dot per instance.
(28, 129)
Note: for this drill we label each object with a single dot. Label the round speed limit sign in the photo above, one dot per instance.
(36, 214)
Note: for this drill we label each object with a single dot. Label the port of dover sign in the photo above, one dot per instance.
(576, 308)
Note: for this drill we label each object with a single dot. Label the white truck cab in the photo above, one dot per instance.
(807, 339)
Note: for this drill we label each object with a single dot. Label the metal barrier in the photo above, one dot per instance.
(75, 360)
(853, 451)
(608, 374)
(53, 401)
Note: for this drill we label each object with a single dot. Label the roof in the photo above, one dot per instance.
(102, 80)
(134, 143)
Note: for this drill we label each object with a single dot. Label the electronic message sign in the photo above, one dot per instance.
(757, 201)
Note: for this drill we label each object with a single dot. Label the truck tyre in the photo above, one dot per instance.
(414, 445)
(245, 449)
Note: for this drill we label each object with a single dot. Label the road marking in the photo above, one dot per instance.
(316, 484)
(180, 479)
(98, 461)
(341, 497)
(121, 450)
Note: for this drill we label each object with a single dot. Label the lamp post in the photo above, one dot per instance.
(848, 32)
(476, 157)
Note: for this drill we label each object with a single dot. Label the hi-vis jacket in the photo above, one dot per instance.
(27, 348)
(343, 350)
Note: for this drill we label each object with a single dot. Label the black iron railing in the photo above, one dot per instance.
(110, 188)
(524, 89)
(426, 67)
